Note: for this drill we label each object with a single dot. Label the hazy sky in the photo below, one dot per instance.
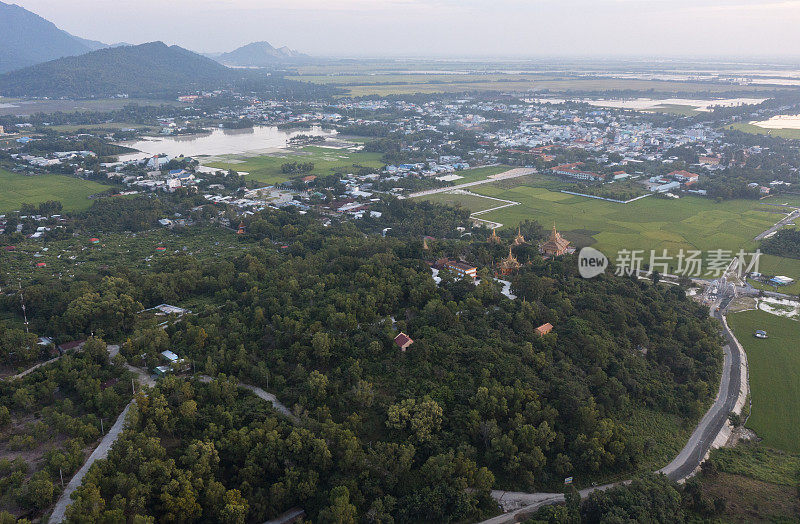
(444, 27)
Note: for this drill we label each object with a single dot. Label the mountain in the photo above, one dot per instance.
(29, 39)
(152, 69)
(261, 54)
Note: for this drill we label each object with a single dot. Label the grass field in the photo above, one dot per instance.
(650, 223)
(792, 200)
(73, 193)
(471, 202)
(759, 462)
(690, 223)
(774, 370)
(267, 168)
(398, 83)
(675, 109)
(772, 265)
(753, 129)
(29, 107)
(479, 173)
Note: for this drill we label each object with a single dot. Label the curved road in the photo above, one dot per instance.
(691, 456)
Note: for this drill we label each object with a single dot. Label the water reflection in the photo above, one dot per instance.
(221, 142)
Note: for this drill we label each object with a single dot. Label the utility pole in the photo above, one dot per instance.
(102, 430)
(22, 300)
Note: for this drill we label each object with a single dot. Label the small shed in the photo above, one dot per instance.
(169, 356)
(544, 329)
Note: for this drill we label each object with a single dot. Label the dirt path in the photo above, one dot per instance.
(100, 452)
(263, 395)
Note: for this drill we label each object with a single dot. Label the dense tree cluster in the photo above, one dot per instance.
(123, 214)
(785, 243)
(294, 168)
(198, 452)
(479, 400)
(51, 416)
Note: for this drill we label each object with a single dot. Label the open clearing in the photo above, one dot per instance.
(473, 203)
(675, 109)
(758, 483)
(650, 223)
(479, 173)
(791, 200)
(757, 130)
(327, 161)
(73, 193)
(772, 265)
(14, 106)
(397, 83)
(690, 223)
(774, 367)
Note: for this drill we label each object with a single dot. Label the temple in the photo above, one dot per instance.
(509, 264)
(494, 239)
(556, 245)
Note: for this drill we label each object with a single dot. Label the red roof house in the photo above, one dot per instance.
(544, 329)
(403, 341)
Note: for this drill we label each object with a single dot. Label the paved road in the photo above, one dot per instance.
(792, 216)
(100, 452)
(519, 504)
(511, 173)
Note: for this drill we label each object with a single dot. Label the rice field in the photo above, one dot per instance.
(774, 365)
(327, 161)
(73, 193)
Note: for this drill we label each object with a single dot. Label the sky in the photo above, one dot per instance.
(445, 28)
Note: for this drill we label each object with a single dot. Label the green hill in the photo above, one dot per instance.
(142, 70)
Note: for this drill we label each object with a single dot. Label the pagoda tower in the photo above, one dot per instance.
(519, 239)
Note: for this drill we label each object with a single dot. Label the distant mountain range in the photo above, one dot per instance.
(27, 39)
(153, 69)
(40, 60)
(261, 54)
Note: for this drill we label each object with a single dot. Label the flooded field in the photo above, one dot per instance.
(780, 122)
(221, 142)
